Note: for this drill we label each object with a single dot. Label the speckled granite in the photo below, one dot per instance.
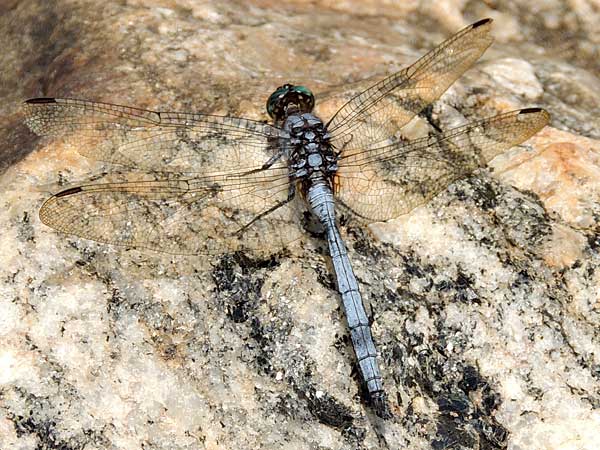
(486, 302)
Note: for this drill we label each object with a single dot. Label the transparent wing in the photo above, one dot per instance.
(388, 181)
(206, 179)
(201, 215)
(174, 142)
(377, 113)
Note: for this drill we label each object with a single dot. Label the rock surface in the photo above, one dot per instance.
(486, 302)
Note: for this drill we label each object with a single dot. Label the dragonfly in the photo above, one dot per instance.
(218, 184)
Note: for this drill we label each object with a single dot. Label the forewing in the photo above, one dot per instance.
(201, 215)
(174, 142)
(206, 180)
(388, 181)
(377, 113)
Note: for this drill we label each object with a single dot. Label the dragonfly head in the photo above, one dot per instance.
(289, 99)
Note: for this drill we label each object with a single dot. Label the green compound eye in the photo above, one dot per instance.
(306, 96)
(289, 94)
(276, 97)
(302, 90)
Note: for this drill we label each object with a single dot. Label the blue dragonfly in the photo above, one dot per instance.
(218, 184)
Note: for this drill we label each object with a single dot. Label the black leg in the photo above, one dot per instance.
(290, 197)
(272, 160)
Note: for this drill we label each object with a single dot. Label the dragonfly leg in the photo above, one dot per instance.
(290, 197)
(272, 160)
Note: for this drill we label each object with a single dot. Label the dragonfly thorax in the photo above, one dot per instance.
(310, 152)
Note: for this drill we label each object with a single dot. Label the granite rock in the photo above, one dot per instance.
(485, 302)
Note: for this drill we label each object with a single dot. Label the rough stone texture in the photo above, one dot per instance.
(486, 302)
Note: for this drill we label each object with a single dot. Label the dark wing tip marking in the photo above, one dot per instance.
(69, 191)
(40, 100)
(543, 114)
(481, 22)
(530, 110)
